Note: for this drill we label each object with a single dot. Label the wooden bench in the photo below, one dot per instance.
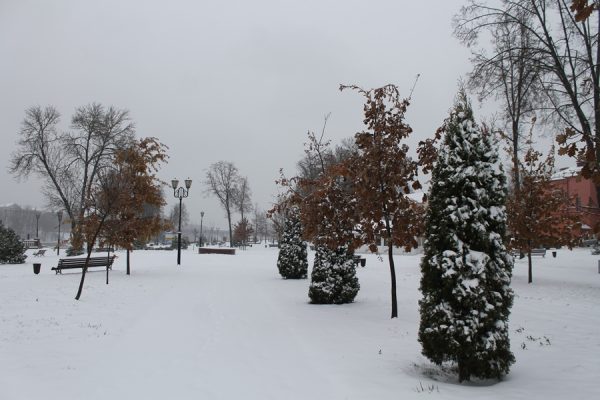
(74, 263)
(208, 250)
(534, 252)
(104, 250)
(39, 253)
(589, 243)
(359, 260)
(538, 252)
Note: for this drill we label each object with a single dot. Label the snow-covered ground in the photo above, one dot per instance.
(227, 327)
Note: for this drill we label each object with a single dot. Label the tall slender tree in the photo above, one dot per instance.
(510, 75)
(242, 196)
(383, 175)
(222, 179)
(466, 270)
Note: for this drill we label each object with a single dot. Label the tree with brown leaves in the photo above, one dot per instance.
(383, 175)
(124, 205)
(583, 9)
(365, 198)
(242, 232)
(138, 216)
(538, 212)
(105, 197)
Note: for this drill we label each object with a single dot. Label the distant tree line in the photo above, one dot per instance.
(24, 221)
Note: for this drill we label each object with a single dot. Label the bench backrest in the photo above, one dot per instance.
(80, 262)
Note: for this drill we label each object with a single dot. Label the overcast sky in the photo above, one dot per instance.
(240, 81)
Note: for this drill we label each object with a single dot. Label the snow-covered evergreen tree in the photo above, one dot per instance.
(292, 261)
(333, 277)
(466, 270)
(12, 249)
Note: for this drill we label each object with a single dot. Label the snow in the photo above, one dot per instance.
(566, 173)
(228, 327)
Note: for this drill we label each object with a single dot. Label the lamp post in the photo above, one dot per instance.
(59, 214)
(201, 218)
(38, 214)
(180, 193)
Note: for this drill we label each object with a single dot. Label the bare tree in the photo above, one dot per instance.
(260, 223)
(277, 223)
(568, 52)
(174, 215)
(317, 154)
(242, 196)
(510, 75)
(222, 179)
(70, 162)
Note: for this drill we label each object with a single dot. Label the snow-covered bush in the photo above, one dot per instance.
(72, 251)
(12, 249)
(333, 277)
(466, 270)
(292, 261)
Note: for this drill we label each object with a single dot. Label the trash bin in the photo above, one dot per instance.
(554, 254)
(36, 268)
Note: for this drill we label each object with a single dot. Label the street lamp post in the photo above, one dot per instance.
(180, 193)
(59, 214)
(38, 214)
(201, 218)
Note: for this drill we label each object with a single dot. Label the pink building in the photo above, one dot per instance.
(584, 195)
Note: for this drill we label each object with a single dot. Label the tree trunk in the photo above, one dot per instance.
(393, 276)
(128, 271)
(230, 231)
(107, 258)
(530, 270)
(76, 236)
(515, 160)
(87, 260)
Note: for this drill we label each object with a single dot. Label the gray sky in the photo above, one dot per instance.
(240, 81)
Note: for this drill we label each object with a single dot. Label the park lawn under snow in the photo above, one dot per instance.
(228, 327)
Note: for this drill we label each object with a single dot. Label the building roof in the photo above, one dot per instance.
(567, 172)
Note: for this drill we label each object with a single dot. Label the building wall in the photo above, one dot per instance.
(584, 199)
